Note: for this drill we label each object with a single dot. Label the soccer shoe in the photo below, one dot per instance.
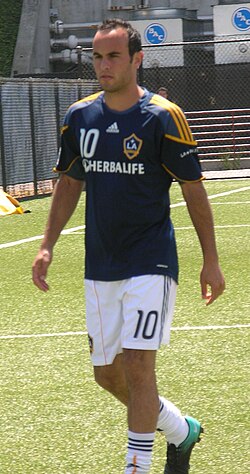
(178, 458)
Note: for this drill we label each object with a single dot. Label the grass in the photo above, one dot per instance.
(54, 419)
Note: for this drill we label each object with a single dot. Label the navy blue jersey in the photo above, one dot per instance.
(128, 160)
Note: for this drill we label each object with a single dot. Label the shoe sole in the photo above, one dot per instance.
(202, 431)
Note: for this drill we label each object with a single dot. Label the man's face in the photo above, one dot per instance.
(114, 67)
(163, 93)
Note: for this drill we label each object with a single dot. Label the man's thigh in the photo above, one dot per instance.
(104, 320)
(134, 314)
(148, 308)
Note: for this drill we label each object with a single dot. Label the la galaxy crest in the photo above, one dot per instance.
(132, 146)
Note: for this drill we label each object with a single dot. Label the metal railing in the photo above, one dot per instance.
(221, 133)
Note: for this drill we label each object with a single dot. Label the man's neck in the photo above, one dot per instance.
(121, 101)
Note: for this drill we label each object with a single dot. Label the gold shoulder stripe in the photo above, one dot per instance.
(88, 98)
(178, 117)
(64, 128)
(180, 140)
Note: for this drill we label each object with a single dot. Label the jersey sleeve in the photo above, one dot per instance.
(179, 153)
(69, 159)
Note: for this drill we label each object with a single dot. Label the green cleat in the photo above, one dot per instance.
(178, 457)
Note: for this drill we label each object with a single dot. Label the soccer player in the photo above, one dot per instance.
(127, 145)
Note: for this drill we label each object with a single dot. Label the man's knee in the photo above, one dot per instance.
(112, 378)
(139, 366)
(103, 377)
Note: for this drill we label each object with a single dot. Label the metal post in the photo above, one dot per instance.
(233, 132)
(4, 183)
(33, 144)
(58, 124)
(79, 61)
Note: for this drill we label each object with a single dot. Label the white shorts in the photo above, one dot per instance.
(132, 314)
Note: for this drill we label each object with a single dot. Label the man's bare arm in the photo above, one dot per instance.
(201, 215)
(65, 198)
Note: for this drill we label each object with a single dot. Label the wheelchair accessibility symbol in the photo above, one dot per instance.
(241, 19)
(155, 33)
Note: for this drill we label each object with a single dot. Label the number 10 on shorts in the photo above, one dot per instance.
(146, 324)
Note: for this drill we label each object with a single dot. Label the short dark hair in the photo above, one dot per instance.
(134, 37)
(162, 89)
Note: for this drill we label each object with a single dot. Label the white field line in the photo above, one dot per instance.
(229, 226)
(227, 193)
(230, 203)
(39, 237)
(75, 229)
(80, 230)
(213, 196)
(84, 333)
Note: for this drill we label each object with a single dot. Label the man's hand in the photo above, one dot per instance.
(212, 283)
(40, 268)
(211, 277)
(65, 198)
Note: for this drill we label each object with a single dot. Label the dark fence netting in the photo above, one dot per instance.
(199, 76)
(31, 114)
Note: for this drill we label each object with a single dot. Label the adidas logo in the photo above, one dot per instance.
(113, 128)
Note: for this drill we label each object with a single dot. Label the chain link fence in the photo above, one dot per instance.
(199, 75)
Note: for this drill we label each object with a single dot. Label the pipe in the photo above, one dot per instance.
(65, 42)
(59, 26)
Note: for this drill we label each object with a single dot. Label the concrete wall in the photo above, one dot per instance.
(32, 50)
(95, 10)
(71, 11)
(80, 11)
(33, 40)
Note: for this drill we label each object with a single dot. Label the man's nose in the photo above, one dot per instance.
(105, 64)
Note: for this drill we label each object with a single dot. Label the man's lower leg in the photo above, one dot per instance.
(143, 409)
(172, 422)
(139, 454)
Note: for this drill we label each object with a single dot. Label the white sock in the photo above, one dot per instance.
(172, 422)
(139, 455)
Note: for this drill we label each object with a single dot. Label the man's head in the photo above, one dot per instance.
(117, 55)
(134, 37)
(163, 92)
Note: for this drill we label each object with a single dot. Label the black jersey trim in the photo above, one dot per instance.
(56, 170)
(183, 180)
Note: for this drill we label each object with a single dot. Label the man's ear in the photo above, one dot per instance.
(138, 58)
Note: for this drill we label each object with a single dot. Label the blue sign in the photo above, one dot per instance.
(155, 33)
(241, 19)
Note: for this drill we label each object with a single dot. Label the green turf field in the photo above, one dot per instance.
(53, 418)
